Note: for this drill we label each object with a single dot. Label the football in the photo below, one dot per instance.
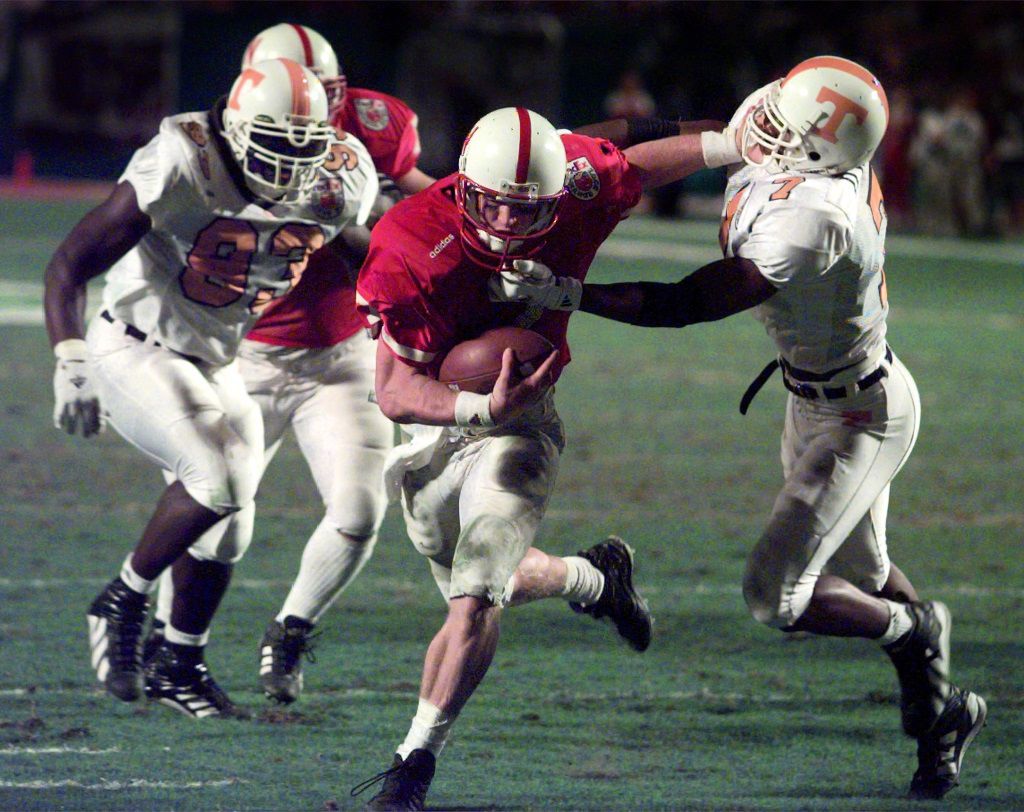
(474, 365)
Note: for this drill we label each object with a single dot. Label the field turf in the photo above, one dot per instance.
(720, 713)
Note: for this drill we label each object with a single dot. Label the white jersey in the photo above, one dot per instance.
(820, 240)
(215, 256)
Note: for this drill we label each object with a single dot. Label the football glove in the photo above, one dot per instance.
(535, 283)
(76, 404)
(720, 148)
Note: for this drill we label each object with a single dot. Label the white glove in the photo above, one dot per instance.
(719, 148)
(535, 283)
(75, 400)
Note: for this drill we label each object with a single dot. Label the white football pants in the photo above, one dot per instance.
(324, 395)
(475, 508)
(838, 458)
(195, 420)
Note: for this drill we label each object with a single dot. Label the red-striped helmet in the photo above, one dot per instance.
(827, 115)
(275, 121)
(511, 181)
(301, 44)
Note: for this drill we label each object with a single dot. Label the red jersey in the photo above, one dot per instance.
(320, 311)
(386, 125)
(429, 295)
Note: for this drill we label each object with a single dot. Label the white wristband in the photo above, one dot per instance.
(719, 148)
(473, 411)
(70, 349)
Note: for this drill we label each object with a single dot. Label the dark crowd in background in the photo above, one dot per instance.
(85, 83)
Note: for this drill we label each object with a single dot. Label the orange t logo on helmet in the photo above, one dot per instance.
(844, 107)
(249, 76)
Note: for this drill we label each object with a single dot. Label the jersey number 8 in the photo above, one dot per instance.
(219, 263)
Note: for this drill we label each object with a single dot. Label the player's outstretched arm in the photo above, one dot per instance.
(625, 132)
(667, 160)
(712, 292)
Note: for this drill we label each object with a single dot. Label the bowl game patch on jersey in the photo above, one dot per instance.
(373, 113)
(328, 198)
(583, 181)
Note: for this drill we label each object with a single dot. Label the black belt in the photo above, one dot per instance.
(804, 390)
(136, 333)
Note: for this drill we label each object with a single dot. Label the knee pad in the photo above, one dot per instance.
(488, 552)
(359, 513)
(770, 602)
(227, 541)
(224, 472)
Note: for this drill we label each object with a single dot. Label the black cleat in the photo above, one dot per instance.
(619, 600)
(922, 665)
(115, 621)
(183, 682)
(940, 751)
(405, 783)
(281, 651)
(154, 640)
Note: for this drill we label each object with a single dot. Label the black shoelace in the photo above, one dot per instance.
(361, 787)
(296, 645)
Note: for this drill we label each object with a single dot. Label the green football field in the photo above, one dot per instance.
(720, 713)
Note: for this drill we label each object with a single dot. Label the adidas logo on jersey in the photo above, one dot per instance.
(441, 246)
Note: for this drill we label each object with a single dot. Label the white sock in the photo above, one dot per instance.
(172, 635)
(133, 579)
(165, 596)
(330, 562)
(429, 730)
(901, 621)
(584, 582)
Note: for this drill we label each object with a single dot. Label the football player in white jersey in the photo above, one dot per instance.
(803, 235)
(308, 363)
(212, 220)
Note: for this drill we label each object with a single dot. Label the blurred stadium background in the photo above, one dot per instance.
(720, 713)
(84, 83)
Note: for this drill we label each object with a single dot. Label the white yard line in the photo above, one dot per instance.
(118, 786)
(51, 751)
(822, 696)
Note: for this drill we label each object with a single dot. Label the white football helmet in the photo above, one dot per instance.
(275, 121)
(827, 115)
(512, 174)
(301, 44)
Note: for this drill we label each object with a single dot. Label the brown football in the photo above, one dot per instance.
(474, 365)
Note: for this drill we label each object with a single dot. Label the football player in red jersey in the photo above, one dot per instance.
(386, 125)
(309, 365)
(477, 470)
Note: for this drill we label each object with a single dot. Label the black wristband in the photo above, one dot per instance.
(639, 130)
